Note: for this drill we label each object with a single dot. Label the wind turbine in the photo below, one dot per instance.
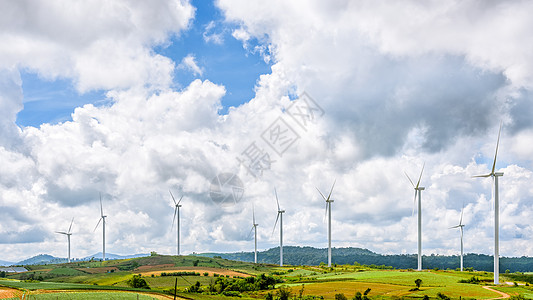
(418, 190)
(68, 234)
(280, 217)
(460, 226)
(328, 211)
(495, 176)
(102, 219)
(176, 213)
(254, 228)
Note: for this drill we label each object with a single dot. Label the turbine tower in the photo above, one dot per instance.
(68, 234)
(176, 213)
(495, 176)
(254, 228)
(418, 191)
(280, 217)
(328, 211)
(102, 219)
(460, 226)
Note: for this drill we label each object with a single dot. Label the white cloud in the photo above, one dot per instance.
(211, 36)
(100, 45)
(189, 63)
(400, 85)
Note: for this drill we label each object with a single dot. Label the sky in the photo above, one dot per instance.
(223, 103)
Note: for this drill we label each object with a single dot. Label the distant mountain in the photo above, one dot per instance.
(40, 259)
(313, 256)
(6, 263)
(45, 259)
(111, 256)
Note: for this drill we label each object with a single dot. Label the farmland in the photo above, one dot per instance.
(209, 278)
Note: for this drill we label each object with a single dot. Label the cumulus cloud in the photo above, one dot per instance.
(99, 45)
(400, 85)
(189, 63)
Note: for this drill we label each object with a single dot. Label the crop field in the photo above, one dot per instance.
(119, 295)
(214, 278)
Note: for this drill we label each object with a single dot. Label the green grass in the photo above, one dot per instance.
(166, 282)
(58, 286)
(90, 296)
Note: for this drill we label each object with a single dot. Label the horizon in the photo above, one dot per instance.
(225, 102)
(95, 255)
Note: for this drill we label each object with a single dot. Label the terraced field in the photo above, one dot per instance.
(215, 277)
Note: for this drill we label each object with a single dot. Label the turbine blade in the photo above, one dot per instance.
(253, 213)
(101, 207)
(61, 232)
(486, 175)
(277, 201)
(98, 224)
(70, 225)
(250, 233)
(332, 188)
(175, 203)
(456, 226)
(496, 154)
(277, 217)
(321, 193)
(180, 199)
(462, 210)
(409, 179)
(326, 213)
(174, 217)
(492, 194)
(414, 205)
(418, 183)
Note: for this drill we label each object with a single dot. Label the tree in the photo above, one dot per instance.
(195, 288)
(340, 297)
(418, 283)
(137, 282)
(283, 293)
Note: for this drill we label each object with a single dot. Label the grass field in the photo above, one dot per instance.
(91, 295)
(109, 280)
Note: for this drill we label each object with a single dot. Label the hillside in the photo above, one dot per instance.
(313, 257)
(204, 278)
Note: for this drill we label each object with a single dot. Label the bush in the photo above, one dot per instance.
(231, 294)
(442, 296)
(472, 280)
(138, 282)
(341, 296)
(206, 274)
(283, 293)
(195, 288)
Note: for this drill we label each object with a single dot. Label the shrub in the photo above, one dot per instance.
(341, 296)
(472, 280)
(137, 282)
(206, 274)
(283, 293)
(442, 296)
(231, 294)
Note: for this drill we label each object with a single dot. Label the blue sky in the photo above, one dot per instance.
(227, 63)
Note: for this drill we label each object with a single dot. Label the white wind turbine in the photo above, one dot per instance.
(328, 210)
(460, 226)
(102, 219)
(280, 217)
(176, 213)
(254, 228)
(418, 190)
(68, 234)
(496, 197)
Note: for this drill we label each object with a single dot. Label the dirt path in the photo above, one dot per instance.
(503, 295)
